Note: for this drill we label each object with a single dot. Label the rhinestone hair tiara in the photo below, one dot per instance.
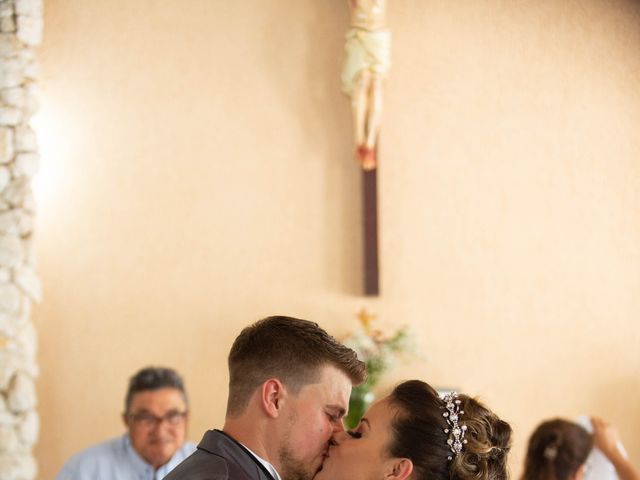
(456, 429)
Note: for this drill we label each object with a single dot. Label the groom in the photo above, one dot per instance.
(289, 389)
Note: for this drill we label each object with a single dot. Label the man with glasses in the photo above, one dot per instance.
(156, 411)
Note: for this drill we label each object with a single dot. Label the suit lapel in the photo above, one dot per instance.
(219, 443)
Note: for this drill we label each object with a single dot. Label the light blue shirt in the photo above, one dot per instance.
(117, 460)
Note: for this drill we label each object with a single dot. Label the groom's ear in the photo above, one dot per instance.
(399, 469)
(272, 394)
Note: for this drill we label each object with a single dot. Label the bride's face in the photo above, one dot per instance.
(361, 454)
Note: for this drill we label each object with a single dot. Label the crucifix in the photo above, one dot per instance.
(367, 61)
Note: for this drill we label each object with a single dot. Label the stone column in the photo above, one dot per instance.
(20, 32)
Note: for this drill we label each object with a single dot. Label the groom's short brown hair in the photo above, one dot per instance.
(289, 349)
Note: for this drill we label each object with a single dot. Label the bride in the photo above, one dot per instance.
(414, 434)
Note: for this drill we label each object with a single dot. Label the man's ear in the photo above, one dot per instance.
(124, 419)
(399, 469)
(272, 394)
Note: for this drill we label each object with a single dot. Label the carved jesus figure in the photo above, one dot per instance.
(367, 61)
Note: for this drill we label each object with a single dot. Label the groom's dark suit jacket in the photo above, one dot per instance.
(219, 457)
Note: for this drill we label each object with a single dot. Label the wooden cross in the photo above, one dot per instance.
(367, 61)
(370, 231)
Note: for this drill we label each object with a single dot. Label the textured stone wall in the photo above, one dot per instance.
(20, 32)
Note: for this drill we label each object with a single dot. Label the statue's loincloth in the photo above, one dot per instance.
(365, 50)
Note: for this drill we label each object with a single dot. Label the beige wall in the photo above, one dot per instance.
(197, 176)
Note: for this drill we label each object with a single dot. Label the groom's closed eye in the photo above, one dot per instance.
(335, 413)
(354, 434)
(334, 418)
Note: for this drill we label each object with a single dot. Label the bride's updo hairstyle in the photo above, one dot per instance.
(454, 439)
(557, 449)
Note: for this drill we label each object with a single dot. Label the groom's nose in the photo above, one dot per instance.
(337, 438)
(335, 425)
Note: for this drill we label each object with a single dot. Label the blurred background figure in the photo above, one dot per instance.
(156, 411)
(563, 450)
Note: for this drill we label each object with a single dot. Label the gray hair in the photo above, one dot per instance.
(154, 378)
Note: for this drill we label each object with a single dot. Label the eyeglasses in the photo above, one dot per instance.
(148, 420)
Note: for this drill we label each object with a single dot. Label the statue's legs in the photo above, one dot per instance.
(359, 104)
(367, 113)
(374, 111)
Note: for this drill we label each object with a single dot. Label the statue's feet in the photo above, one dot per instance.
(366, 157)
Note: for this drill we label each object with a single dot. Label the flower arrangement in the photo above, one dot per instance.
(379, 352)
